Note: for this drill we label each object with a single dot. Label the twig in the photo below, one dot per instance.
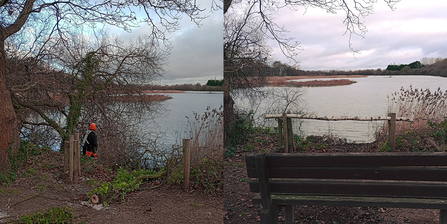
(37, 195)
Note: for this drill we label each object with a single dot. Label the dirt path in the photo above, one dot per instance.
(163, 205)
(43, 186)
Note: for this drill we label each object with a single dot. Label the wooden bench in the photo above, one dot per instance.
(401, 180)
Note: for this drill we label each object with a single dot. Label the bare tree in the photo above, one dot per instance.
(80, 81)
(61, 18)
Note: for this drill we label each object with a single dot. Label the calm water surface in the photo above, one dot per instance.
(366, 98)
(173, 121)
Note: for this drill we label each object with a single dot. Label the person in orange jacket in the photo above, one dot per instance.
(90, 142)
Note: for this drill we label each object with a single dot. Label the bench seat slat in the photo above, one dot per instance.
(356, 188)
(368, 173)
(356, 201)
(352, 159)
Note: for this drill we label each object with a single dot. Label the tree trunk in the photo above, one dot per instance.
(228, 114)
(9, 126)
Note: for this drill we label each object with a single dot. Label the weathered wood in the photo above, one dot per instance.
(264, 189)
(76, 163)
(66, 156)
(351, 159)
(70, 175)
(290, 135)
(392, 130)
(443, 216)
(360, 188)
(280, 130)
(186, 162)
(286, 133)
(366, 173)
(95, 198)
(356, 201)
(333, 118)
(406, 180)
(289, 214)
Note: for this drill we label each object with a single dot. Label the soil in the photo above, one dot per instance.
(46, 186)
(240, 209)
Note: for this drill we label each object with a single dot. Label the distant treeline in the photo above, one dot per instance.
(438, 68)
(184, 87)
(416, 64)
(212, 82)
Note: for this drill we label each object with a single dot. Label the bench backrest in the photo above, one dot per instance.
(419, 175)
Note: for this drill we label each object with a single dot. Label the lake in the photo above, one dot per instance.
(174, 120)
(366, 98)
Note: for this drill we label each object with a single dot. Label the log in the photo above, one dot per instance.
(95, 198)
(333, 118)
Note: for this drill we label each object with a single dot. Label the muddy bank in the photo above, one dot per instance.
(284, 81)
(163, 91)
(142, 98)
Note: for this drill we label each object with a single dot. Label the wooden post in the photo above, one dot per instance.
(78, 154)
(286, 131)
(71, 159)
(76, 158)
(289, 215)
(290, 133)
(281, 137)
(66, 156)
(186, 161)
(443, 216)
(392, 130)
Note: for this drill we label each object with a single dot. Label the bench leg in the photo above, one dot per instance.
(443, 216)
(289, 214)
(270, 216)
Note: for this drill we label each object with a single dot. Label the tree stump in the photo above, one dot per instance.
(95, 199)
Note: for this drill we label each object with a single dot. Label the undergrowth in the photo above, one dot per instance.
(206, 176)
(123, 183)
(53, 215)
(17, 159)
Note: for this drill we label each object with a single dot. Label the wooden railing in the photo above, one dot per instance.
(286, 131)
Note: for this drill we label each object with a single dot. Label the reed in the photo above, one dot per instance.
(206, 132)
(420, 105)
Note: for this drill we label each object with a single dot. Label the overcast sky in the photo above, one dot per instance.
(197, 53)
(415, 29)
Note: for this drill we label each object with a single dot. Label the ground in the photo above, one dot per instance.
(239, 208)
(44, 187)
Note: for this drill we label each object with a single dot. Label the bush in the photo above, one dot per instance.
(239, 129)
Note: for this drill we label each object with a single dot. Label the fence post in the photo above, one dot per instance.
(285, 134)
(392, 130)
(281, 137)
(186, 161)
(66, 156)
(290, 133)
(76, 165)
(70, 173)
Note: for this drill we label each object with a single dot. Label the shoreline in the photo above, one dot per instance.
(336, 80)
(163, 91)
